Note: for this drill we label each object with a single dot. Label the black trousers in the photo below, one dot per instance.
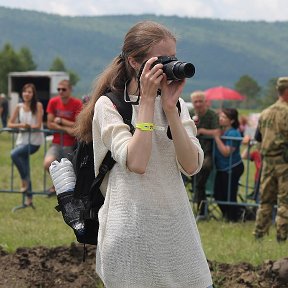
(199, 183)
(221, 191)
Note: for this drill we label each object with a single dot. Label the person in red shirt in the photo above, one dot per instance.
(61, 114)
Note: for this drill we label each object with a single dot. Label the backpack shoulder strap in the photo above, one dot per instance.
(124, 109)
(83, 164)
(95, 196)
(76, 157)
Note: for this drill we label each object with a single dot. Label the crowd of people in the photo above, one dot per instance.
(28, 116)
(267, 149)
(146, 203)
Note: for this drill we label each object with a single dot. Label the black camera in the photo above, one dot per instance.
(174, 69)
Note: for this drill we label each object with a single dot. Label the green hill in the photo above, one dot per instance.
(221, 51)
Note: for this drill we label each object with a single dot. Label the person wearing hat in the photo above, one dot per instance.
(273, 127)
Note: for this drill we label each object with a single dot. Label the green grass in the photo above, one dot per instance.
(222, 242)
(27, 227)
(234, 243)
(38, 175)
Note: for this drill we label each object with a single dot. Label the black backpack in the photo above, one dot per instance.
(86, 199)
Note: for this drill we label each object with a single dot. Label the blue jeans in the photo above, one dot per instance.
(4, 117)
(20, 157)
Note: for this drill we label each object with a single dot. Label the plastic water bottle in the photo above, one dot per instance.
(63, 175)
(64, 180)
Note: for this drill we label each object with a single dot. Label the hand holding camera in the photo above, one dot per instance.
(174, 69)
(151, 78)
(176, 72)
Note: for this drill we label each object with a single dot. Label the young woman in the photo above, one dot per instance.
(228, 163)
(147, 235)
(27, 115)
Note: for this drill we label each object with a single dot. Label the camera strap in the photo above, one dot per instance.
(126, 96)
(127, 100)
(169, 134)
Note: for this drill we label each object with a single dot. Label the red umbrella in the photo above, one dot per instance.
(222, 93)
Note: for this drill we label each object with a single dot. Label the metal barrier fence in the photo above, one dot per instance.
(7, 134)
(8, 184)
(245, 186)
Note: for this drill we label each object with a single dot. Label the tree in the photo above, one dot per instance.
(249, 87)
(58, 65)
(26, 59)
(11, 61)
(74, 78)
(270, 93)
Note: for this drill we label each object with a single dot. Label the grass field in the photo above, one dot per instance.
(223, 242)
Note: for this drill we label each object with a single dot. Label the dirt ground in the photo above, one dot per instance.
(63, 267)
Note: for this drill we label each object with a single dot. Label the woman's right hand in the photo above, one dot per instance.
(150, 79)
(140, 145)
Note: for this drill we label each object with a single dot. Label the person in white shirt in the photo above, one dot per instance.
(26, 116)
(147, 234)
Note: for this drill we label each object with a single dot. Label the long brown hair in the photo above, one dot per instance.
(137, 44)
(232, 114)
(34, 100)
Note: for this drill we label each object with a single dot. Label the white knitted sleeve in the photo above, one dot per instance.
(114, 134)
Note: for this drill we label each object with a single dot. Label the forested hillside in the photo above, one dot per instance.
(222, 51)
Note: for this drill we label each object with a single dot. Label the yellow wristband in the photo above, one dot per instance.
(145, 126)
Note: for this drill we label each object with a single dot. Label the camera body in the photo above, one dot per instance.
(174, 69)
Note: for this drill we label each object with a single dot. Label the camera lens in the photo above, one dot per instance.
(184, 70)
(176, 70)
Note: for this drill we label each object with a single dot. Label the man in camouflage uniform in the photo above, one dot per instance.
(207, 122)
(273, 127)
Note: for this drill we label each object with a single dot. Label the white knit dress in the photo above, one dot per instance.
(148, 235)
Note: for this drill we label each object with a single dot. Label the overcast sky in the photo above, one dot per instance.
(268, 10)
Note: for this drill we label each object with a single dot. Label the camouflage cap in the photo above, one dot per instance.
(282, 83)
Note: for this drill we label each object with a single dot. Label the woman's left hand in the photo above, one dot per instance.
(170, 93)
